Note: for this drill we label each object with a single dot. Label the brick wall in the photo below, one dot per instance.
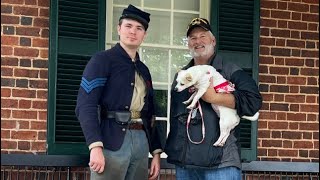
(289, 78)
(24, 75)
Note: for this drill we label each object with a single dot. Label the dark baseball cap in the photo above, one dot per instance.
(131, 12)
(198, 22)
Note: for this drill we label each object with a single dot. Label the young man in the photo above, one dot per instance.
(204, 161)
(115, 106)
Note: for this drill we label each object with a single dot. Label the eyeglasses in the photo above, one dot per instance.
(197, 21)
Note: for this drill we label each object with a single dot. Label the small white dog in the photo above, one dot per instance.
(199, 76)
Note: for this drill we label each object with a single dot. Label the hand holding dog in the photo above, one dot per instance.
(222, 99)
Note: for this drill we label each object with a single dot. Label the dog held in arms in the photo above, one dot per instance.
(199, 76)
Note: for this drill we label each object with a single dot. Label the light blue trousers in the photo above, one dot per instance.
(130, 162)
(227, 173)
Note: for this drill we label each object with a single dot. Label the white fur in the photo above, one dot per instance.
(199, 77)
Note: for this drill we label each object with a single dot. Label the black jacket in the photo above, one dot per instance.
(181, 151)
(108, 82)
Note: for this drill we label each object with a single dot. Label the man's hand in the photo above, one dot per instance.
(155, 167)
(97, 161)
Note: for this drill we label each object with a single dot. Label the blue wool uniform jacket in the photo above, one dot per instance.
(108, 81)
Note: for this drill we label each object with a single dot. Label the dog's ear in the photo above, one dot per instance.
(189, 77)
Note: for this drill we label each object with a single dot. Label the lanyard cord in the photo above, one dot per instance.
(203, 127)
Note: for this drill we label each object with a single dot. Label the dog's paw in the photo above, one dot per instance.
(190, 107)
(185, 102)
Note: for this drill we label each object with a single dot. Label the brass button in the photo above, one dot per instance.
(123, 129)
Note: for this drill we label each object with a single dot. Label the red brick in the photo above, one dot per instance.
(40, 43)
(23, 125)
(295, 98)
(8, 124)
(5, 92)
(42, 94)
(310, 17)
(293, 125)
(297, 80)
(296, 16)
(6, 50)
(310, 35)
(9, 61)
(267, 79)
(267, 97)
(39, 104)
(291, 135)
(302, 144)
(267, 41)
(38, 146)
(28, 31)
(307, 135)
(271, 143)
(287, 144)
(280, 14)
(279, 97)
(26, 52)
(5, 134)
(26, 73)
(24, 135)
(12, 1)
(268, 4)
(294, 62)
(279, 70)
(24, 104)
(287, 152)
(310, 71)
(277, 125)
(44, 3)
(9, 40)
(38, 125)
(28, 11)
(294, 107)
(42, 115)
(298, 7)
(8, 144)
(44, 74)
(314, 154)
(314, 9)
(312, 117)
(313, 26)
(264, 134)
(297, 25)
(272, 152)
(295, 116)
(24, 145)
(30, 2)
(39, 84)
(5, 71)
(280, 33)
(268, 23)
(41, 22)
(9, 103)
(282, 24)
(311, 99)
(5, 113)
(281, 116)
(309, 108)
(44, 12)
(24, 114)
(276, 135)
(24, 93)
(309, 126)
(42, 135)
(44, 53)
(5, 19)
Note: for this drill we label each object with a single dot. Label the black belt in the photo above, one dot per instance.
(134, 114)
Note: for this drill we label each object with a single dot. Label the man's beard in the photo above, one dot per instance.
(208, 49)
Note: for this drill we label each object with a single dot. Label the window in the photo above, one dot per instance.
(79, 28)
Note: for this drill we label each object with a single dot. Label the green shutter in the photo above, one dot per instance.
(77, 30)
(236, 26)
